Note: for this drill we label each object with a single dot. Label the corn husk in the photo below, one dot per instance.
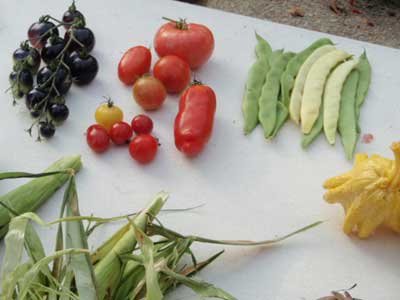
(31, 195)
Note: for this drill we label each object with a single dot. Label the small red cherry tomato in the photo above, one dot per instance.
(149, 92)
(173, 72)
(120, 133)
(192, 42)
(134, 63)
(97, 138)
(143, 148)
(195, 119)
(142, 124)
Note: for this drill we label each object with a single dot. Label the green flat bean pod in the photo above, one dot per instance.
(310, 137)
(282, 114)
(254, 84)
(332, 97)
(269, 95)
(263, 48)
(347, 125)
(364, 68)
(314, 87)
(294, 65)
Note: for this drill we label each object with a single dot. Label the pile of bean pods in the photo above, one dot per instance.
(320, 88)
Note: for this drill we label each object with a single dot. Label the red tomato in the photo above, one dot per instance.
(192, 42)
(149, 92)
(173, 72)
(143, 148)
(97, 138)
(195, 119)
(142, 124)
(134, 63)
(120, 133)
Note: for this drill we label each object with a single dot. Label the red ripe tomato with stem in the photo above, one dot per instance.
(192, 42)
(143, 148)
(173, 72)
(134, 63)
(195, 119)
(97, 138)
(120, 133)
(142, 124)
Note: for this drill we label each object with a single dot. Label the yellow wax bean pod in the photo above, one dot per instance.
(297, 92)
(314, 87)
(332, 95)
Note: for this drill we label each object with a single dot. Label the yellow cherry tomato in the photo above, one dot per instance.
(107, 114)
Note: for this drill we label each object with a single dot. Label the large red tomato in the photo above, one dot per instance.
(173, 72)
(192, 42)
(134, 63)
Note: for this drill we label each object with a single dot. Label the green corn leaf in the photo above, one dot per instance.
(153, 291)
(76, 238)
(67, 283)
(202, 288)
(29, 277)
(33, 244)
(14, 175)
(155, 229)
(14, 244)
(58, 262)
(10, 282)
(168, 282)
(35, 251)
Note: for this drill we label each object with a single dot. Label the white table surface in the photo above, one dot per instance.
(251, 188)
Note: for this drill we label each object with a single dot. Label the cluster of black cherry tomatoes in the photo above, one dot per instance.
(66, 60)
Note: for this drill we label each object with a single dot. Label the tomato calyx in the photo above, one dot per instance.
(110, 103)
(72, 7)
(44, 18)
(24, 45)
(196, 82)
(181, 24)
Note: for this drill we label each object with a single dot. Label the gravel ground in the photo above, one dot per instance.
(378, 21)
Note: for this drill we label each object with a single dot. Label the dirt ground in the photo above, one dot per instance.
(376, 21)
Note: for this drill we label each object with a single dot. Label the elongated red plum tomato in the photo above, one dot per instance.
(120, 133)
(173, 72)
(143, 148)
(97, 138)
(195, 119)
(192, 42)
(149, 92)
(134, 63)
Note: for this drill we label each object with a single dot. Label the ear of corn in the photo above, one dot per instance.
(142, 260)
(28, 197)
(110, 268)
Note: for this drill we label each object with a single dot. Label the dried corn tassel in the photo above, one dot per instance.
(369, 193)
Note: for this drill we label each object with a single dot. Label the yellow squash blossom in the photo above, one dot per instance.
(369, 193)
